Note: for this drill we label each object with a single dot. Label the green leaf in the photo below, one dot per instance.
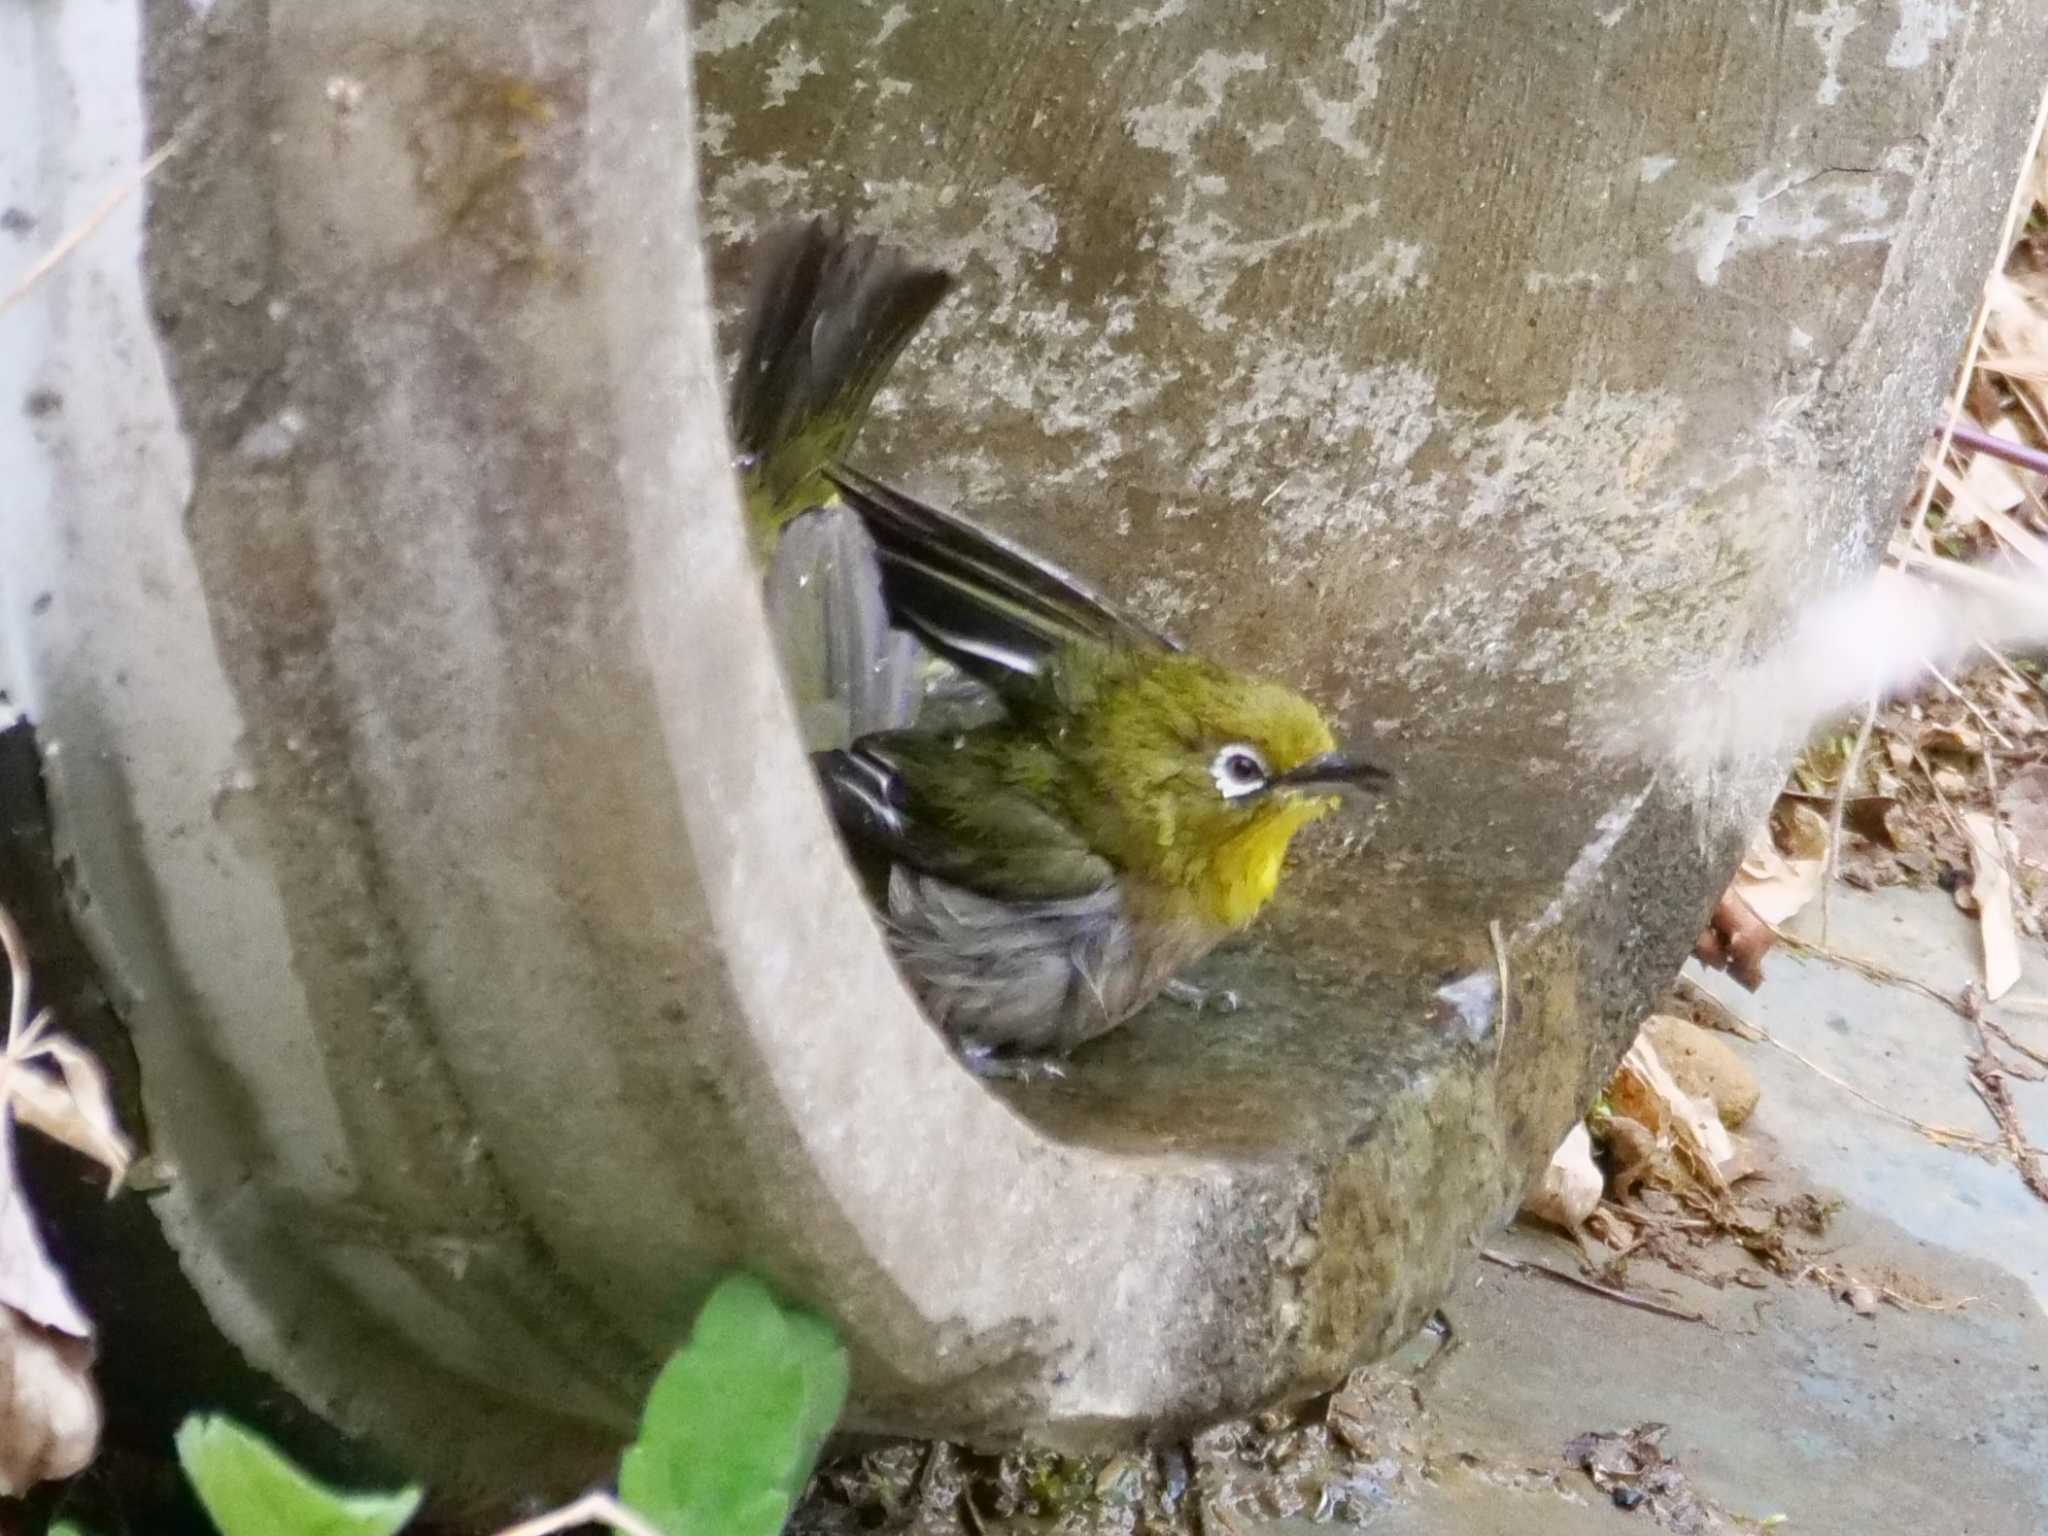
(66, 1528)
(250, 1489)
(734, 1422)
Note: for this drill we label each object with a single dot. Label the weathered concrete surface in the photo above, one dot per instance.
(1909, 1052)
(1785, 1402)
(1893, 1425)
(414, 735)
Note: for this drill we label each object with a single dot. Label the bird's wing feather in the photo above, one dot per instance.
(981, 602)
(850, 672)
(920, 801)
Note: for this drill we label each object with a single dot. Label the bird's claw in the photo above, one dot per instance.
(986, 1061)
(1204, 999)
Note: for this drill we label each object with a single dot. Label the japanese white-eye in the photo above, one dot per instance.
(1045, 874)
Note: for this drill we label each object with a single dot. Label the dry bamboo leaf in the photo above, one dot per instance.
(1571, 1186)
(30, 1284)
(1775, 887)
(2028, 546)
(82, 1114)
(49, 1410)
(1992, 888)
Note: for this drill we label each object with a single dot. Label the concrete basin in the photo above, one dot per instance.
(417, 758)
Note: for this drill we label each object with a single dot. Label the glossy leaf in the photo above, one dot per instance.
(733, 1425)
(250, 1489)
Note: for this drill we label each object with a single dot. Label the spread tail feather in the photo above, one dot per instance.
(830, 314)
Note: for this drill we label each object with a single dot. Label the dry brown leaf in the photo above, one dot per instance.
(1644, 1091)
(1735, 940)
(1992, 889)
(49, 1410)
(1571, 1186)
(1960, 740)
(1775, 887)
(74, 1108)
(29, 1282)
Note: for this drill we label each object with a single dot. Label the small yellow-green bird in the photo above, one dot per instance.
(1047, 873)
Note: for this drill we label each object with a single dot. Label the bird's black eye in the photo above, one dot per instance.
(1238, 771)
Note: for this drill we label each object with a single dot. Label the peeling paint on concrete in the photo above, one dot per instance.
(1165, 11)
(892, 18)
(1830, 26)
(735, 24)
(1796, 209)
(1204, 254)
(1337, 117)
(788, 72)
(1391, 272)
(1922, 24)
(1173, 124)
(714, 131)
(1654, 167)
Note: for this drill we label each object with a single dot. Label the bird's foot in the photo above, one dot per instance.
(1203, 999)
(989, 1062)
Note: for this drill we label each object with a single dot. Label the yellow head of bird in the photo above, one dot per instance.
(1209, 773)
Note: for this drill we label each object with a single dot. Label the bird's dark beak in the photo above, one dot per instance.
(1335, 770)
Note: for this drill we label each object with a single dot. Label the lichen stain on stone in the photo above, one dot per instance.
(1922, 24)
(1392, 272)
(735, 24)
(1204, 255)
(1773, 208)
(789, 71)
(472, 141)
(1337, 115)
(1173, 125)
(1831, 26)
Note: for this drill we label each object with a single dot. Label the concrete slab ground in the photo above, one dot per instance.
(1785, 1401)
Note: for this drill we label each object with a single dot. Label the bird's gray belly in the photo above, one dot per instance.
(1038, 976)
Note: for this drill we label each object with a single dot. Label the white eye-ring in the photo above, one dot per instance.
(1239, 770)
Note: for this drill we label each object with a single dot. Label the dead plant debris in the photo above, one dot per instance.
(1631, 1468)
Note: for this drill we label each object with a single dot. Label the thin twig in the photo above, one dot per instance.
(2012, 671)
(1978, 714)
(1871, 970)
(1990, 1086)
(591, 1509)
(1849, 771)
(1941, 1135)
(1955, 817)
(1999, 1032)
(1594, 1287)
(82, 231)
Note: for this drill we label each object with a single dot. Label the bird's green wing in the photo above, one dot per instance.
(829, 316)
(956, 808)
(983, 603)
